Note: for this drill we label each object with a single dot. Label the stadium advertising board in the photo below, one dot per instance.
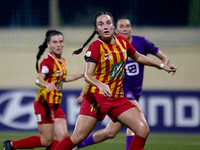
(166, 111)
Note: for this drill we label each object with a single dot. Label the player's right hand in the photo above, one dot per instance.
(79, 99)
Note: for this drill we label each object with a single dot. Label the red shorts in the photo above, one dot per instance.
(46, 114)
(99, 106)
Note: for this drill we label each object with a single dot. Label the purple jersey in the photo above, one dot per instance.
(133, 79)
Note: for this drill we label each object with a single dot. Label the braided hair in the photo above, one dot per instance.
(94, 32)
(42, 47)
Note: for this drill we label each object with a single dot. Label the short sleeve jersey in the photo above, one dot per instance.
(110, 63)
(133, 78)
(56, 71)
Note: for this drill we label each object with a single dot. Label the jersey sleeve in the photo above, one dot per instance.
(150, 47)
(93, 51)
(130, 49)
(45, 66)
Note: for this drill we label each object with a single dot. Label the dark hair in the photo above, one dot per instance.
(42, 47)
(94, 32)
(122, 17)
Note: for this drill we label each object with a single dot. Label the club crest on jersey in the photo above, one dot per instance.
(124, 53)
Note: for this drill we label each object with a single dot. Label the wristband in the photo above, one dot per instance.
(161, 65)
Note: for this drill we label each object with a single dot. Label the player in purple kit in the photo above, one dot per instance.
(132, 84)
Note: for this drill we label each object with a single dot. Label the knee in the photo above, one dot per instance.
(147, 131)
(61, 136)
(77, 139)
(110, 134)
(144, 131)
(46, 142)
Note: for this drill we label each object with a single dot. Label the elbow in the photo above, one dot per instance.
(85, 78)
(37, 82)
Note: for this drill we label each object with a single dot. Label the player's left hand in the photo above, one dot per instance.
(170, 68)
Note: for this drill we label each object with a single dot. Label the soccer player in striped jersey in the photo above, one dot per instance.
(132, 83)
(50, 117)
(104, 73)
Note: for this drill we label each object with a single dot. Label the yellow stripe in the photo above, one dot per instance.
(51, 98)
(51, 94)
(41, 92)
(59, 66)
(86, 90)
(56, 99)
(124, 43)
(54, 74)
(103, 64)
(110, 55)
(119, 58)
(53, 80)
(64, 67)
(119, 44)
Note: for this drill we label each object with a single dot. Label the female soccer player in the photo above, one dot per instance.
(132, 83)
(50, 117)
(104, 72)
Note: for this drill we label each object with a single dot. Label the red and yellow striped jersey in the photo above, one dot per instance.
(55, 70)
(111, 59)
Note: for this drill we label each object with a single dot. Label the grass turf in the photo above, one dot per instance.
(154, 142)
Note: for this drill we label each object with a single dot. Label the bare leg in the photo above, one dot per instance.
(128, 131)
(109, 132)
(45, 139)
(113, 128)
(61, 131)
(60, 128)
(135, 120)
(46, 133)
(84, 126)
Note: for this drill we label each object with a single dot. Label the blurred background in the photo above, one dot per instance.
(171, 103)
(174, 26)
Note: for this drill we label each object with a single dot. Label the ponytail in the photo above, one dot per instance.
(94, 32)
(88, 40)
(41, 51)
(42, 47)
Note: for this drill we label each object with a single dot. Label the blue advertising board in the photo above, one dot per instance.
(166, 111)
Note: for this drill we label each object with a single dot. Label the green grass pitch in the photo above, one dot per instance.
(154, 141)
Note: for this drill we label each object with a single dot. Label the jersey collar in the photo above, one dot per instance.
(51, 55)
